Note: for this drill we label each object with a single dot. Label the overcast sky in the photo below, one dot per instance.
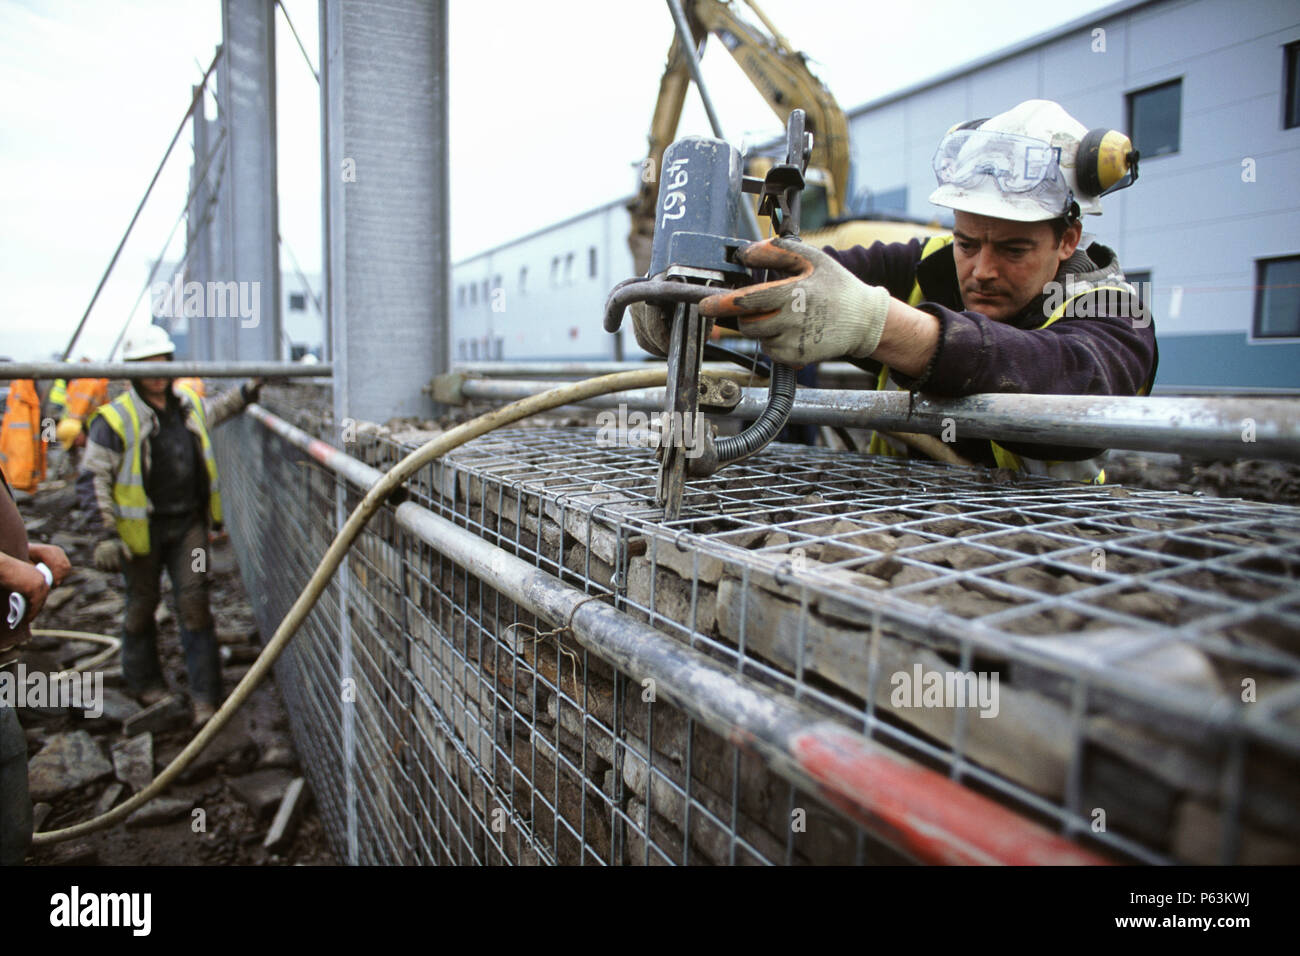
(550, 105)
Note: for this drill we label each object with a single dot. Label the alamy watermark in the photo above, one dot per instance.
(1103, 301)
(207, 300)
(948, 689)
(636, 429)
(82, 691)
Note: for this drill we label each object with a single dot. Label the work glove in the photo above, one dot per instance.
(251, 390)
(821, 311)
(652, 327)
(111, 554)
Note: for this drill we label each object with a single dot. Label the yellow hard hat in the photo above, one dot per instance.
(67, 432)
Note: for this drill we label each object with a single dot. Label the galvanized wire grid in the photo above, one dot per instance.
(473, 739)
(1138, 615)
(466, 735)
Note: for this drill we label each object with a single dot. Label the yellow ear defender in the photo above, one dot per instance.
(1106, 162)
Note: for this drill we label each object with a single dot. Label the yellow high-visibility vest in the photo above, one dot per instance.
(123, 416)
(1088, 470)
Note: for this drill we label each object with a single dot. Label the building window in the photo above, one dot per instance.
(473, 293)
(1277, 297)
(555, 270)
(297, 302)
(460, 296)
(568, 269)
(1155, 118)
(591, 262)
(523, 279)
(1141, 279)
(1292, 56)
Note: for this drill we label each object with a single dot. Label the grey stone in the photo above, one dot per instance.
(166, 714)
(159, 811)
(133, 761)
(108, 799)
(91, 583)
(66, 762)
(68, 542)
(75, 854)
(262, 790)
(35, 525)
(233, 747)
(118, 707)
(278, 755)
(71, 650)
(40, 813)
(110, 606)
(296, 798)
(59, 597)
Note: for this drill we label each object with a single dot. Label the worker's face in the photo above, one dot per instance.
(1002, 264)
(156, 389)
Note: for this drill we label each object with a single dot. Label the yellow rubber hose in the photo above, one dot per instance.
(566, 394)
(114, 644)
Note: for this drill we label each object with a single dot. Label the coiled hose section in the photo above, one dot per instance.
(781, 384)
(393, 480)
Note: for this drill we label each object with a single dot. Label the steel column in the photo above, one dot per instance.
(253, 258)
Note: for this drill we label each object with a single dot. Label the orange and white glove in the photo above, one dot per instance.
(820, 312)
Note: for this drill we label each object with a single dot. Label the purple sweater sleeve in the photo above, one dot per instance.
(1103, 354)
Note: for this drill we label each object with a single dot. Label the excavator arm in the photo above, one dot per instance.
(782, 78)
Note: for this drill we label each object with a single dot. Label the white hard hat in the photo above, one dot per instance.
(150, 341)
(1019, 165)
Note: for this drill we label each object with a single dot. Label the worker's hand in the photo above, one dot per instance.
(111, 554)
(53, 558)
(820, 312)
(252, 390)
(31, 584)
(652, 327)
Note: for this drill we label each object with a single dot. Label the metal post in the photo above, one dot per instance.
(198, 235)
(384, 129)
(253, 260)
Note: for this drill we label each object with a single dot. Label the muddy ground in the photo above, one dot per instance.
(223, 806)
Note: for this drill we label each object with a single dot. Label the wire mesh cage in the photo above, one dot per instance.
(1117, 666)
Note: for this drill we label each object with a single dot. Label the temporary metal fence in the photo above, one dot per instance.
(1138, 654)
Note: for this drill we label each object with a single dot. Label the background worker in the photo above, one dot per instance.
(1012, 301)
(149, 481)
(81, 398)
(22, 444)
(19, 574)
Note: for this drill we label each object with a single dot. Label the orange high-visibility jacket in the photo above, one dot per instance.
(85, 395)
(194, 383)
(22, 452)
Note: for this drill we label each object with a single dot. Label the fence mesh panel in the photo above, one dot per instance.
(1145, 647)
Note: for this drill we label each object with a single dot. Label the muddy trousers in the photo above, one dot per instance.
(181, 546)
(15, 802)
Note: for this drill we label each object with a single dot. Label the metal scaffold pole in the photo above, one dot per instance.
(252, 255)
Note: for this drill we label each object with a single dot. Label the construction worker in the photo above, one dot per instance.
(1011, 301)
(22, 445)
(28, 572)
(82, 396)
(149, 481)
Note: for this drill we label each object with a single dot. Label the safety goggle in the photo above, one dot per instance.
(1019, 165)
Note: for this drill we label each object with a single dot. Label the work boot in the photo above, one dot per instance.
(203, 712)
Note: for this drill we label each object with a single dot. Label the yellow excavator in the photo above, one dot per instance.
(781, 75)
